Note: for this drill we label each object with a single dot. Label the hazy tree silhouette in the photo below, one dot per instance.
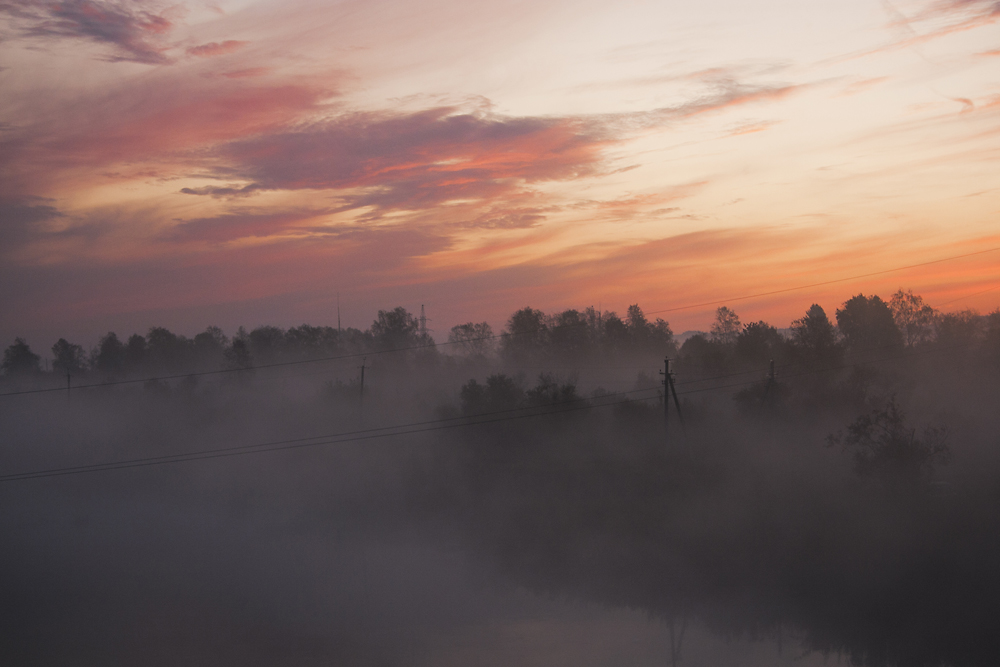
(307, 341)
(18, 359)
(913, 317)
(209, 347)
(726, 327)
(267, 344)
(238, 356)
(991, 336)
(68, 359)
(550, 392)
(500, 392)
(167, 351)
(526, 335)
(396, 329)
(646, 336)
(568, 334)
(884, 447)
(759, 343)
(699, 354)
(867, 323)
(962, 328)
(135, 353)
(109, 357)
(472, 339)
(616, 333)
(814, 337)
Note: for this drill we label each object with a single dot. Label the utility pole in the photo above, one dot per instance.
(69, 382)
(668, 390)
(338, 313)
(423, 321)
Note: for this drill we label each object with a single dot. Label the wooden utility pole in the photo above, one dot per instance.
(668, 391)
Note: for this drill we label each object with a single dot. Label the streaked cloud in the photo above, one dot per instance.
(538, 152)
(216, 48)
(134, 30)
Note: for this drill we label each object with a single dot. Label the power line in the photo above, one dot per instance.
(425, 426)
(351, 436)
(966, 296)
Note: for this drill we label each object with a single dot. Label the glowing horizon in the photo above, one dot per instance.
(240, 162)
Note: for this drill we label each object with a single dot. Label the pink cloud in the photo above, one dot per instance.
(169, 123)
(420, 160)
(216, 48)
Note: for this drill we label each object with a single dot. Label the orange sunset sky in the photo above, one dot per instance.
(190, 163)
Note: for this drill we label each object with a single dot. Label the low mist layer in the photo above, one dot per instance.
(261, 498)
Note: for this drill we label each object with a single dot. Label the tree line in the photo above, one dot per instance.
(532, 338)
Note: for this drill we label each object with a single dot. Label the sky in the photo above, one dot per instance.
(244, 162)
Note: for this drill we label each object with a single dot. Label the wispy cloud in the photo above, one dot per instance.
(132, 30)
(216, 48)
(21, 216)
(223, 192)
(239, 225)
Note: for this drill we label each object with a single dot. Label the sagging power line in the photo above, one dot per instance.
(572, 405)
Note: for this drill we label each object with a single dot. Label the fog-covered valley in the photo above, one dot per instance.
(522, 497)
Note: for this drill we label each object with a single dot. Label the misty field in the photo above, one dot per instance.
(825, 494)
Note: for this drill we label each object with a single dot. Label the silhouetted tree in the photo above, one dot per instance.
(166, 351)
(884, 447)
(472, 339)
(637, 324)
(867, 323)
(991, 336)
(726, 327)
(527, 335)
(962, 328)
(662, 336)
(913, 317)
(266, 344)
(18, 359)
(238, 355)
(500, 392)
(568, 334)
(698, 353)
(616, 334)
(650, 337)
(307, 341)
(135, 353)
(67, 358)
(397, 329)
(549, 392)
(210, 347)
(814, 337)
(110, 355)
(759, 343)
